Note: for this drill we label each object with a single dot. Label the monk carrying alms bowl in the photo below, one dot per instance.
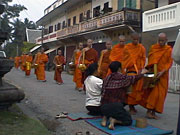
(82, 67)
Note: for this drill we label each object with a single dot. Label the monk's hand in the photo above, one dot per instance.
(144, 71)
(159, 74)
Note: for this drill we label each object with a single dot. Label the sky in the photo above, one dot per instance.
(35, 8)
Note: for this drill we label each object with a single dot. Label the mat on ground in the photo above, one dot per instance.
(128, 130)
(80, 116)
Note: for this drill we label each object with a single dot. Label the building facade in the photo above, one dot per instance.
(74, 21)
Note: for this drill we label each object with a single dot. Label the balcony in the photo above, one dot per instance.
(127, 16)
(47, 38)
(162, 18)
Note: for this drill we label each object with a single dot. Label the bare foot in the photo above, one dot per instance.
(149, 115)
(104, 121)
(111, 125)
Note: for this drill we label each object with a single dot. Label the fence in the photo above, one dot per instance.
(174, 78)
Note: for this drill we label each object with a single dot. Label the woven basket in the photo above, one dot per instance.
(141, 122)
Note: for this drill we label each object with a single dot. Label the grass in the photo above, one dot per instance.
(16, 123)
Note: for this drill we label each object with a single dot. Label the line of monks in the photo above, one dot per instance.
(26, 63)
(132, 56)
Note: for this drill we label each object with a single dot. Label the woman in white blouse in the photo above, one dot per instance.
(93, 86)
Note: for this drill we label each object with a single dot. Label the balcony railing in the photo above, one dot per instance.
(121, 17)
(163, 17)
(47, 38)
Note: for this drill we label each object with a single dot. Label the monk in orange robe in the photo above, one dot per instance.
(35, 61)
(40, 71)
(104, 60)
(17, 62)
(77, 73)
(134, 58)
(22, 61)
(159, 55)
(59, 61)
(89, 56)
(117, 52)
(29, 60)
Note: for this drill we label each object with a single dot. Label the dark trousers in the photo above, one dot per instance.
(94, 110)
(117, 111)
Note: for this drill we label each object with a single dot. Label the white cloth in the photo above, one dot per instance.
(176, 50)
(93, 87)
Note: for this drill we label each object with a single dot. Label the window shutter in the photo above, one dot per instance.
(120, 4)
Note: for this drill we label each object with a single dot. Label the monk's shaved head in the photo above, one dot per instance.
(89, 42)
(162, 39)
(109, 44)
(122, 40)
(80, 45)
(135, 38)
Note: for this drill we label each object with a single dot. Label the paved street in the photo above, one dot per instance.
(53, 99)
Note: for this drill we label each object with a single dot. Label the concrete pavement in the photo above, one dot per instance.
(53, 99)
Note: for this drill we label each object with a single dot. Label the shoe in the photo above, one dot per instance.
(44, 81)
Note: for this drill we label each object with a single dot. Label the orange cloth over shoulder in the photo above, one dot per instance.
(134, 58)
(104, 63)
(17, 62)
(42, 59)
(154, 98)
(116, 55)
(77, 78)
(59, 60)
(91, 56)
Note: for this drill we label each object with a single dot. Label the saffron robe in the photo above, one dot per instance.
(116, 55)
(17, 62)
(58, 60)
(134, 58)
(104, 63)
(40, 71)
(22, 61)
(77, 78)
(154, 98)
(29, 60)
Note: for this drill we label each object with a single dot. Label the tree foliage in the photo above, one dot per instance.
(15, 28)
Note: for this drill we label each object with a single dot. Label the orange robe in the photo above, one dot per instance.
(116, 55)
(59, 60)
(77, 73)
(22, 61)
(17, 62)
(104, 63)
(40, 71)
(29, 60)
(91, 56)
(134, 59)
(36, 60)
(161, 56)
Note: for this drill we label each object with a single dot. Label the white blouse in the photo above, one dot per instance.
(93, 87)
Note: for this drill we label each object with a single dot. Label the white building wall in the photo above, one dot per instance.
(56, 21)
(162, 3)
(96, 3)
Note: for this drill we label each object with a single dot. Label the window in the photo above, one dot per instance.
(129, 4)
(88, 14)
(50, 29)
(81, 17)
(106, 7)
(64, 25)
(69, 22)
(74, 20)
(96, 11)
(58, 26)
(55, 27)
(173, 1)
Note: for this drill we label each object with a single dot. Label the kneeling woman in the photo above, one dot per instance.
(114, 96)
(93, 86)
